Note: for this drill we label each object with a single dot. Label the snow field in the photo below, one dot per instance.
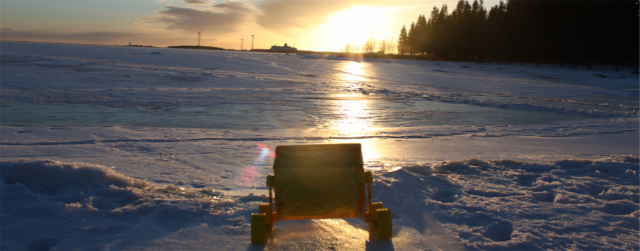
(119, 148)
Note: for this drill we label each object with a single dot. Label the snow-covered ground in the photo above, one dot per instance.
(113, 148)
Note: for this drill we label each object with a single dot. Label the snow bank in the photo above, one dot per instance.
(81, 206)
(515, 205)
(469, 204)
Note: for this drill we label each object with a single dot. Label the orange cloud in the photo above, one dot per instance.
(279, 16)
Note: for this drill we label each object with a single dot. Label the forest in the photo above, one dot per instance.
(575, 33)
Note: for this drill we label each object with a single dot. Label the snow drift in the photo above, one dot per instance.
(503, 204)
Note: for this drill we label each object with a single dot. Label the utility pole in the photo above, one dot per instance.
(241, 43)
(251, 42)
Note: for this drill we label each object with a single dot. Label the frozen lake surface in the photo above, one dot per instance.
(222, 90)
(140, 148)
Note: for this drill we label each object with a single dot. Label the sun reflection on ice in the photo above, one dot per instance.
(355, 118)
(353, 72)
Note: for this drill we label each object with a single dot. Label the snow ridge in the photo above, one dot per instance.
(516, 205)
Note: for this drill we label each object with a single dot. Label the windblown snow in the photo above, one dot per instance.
(120, 148)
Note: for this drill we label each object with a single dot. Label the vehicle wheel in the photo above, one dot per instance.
(385, 228)
(265, 208)
(373, 219)
(258, 228)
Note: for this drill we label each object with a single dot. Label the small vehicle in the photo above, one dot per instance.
(324, 181)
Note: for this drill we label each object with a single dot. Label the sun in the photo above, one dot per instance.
(354, 25)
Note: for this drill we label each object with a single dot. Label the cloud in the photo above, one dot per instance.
(196, 2)
(221, 18)
(7, 29)
(278, 16)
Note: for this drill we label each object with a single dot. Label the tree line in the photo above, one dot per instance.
(574, 32)
(372, 45)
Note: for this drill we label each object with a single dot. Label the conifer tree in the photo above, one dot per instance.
(411, 40)
(579, 32)
(421, 35)
(402, 41)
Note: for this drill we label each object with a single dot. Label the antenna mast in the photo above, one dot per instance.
(241, 43)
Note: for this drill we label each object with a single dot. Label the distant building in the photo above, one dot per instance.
(285, 48)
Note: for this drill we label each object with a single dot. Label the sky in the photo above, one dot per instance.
(307, 24)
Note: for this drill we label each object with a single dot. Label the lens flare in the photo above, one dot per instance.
(265, 151)
(249, 174)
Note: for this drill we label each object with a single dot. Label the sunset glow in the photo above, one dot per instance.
(355, 25)
(312, 25)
